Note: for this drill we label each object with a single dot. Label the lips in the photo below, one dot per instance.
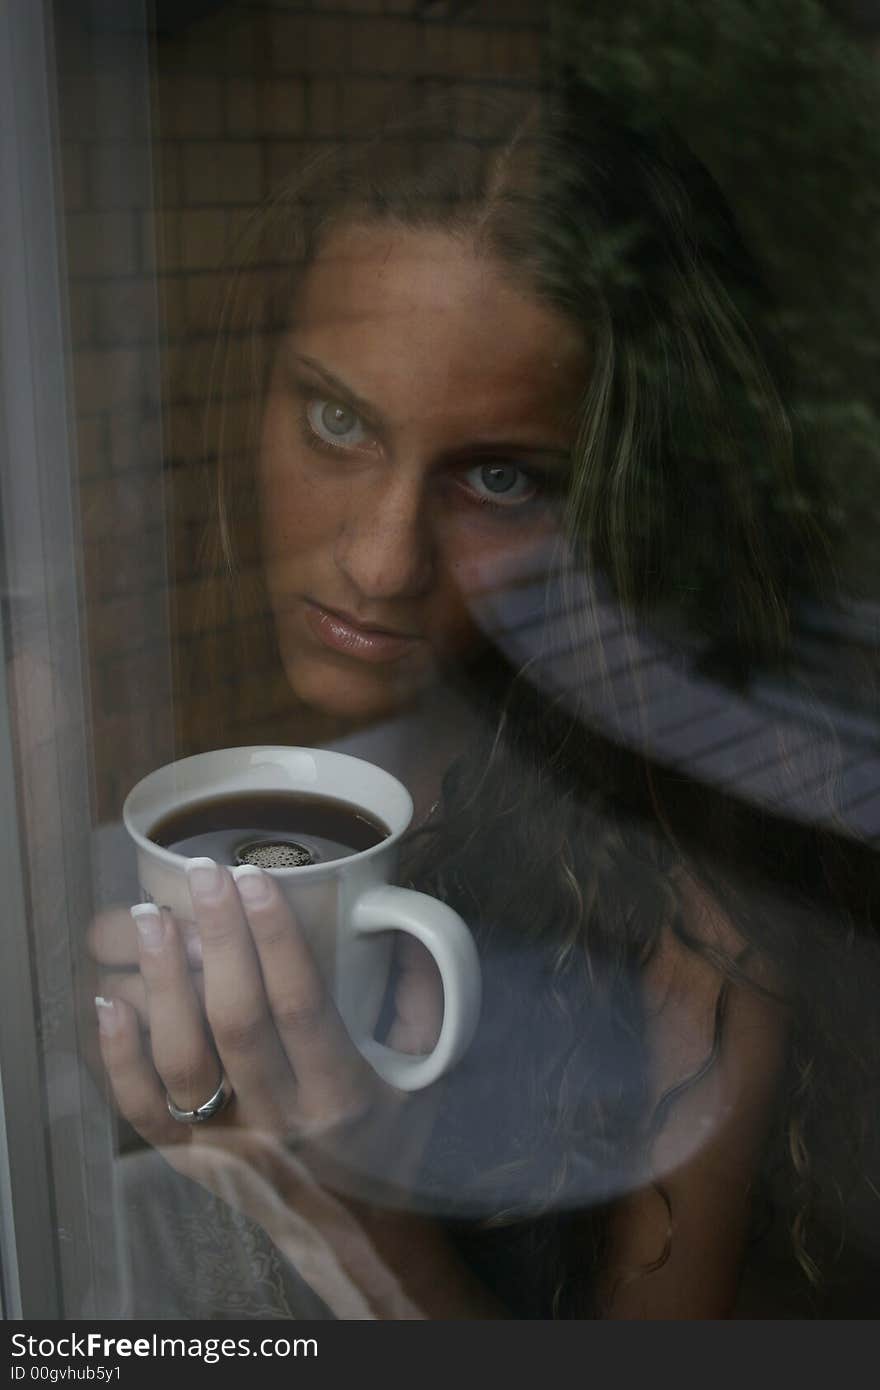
(343, 634)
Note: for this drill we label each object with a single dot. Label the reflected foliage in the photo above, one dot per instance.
(779, 99)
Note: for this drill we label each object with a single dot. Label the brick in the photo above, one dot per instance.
(129, 745)
(222, 172)
(500, 53)
(160, 240)
(104, 94)
(202, 172)
(287, 43)
(518, 53)
(202, 721)
(192, 601)
(191, 105)
(366, 103)
(233, 40)
(174, 374)
(165, 87)
(92, 448)
(188, 540)
(120, 506)
(114, 567)
(246, 42)
(471, 117)
(187, 370)
(135, 439)
(239, 224)
(78, 107)
(241, 106)
(207, 662)
(283, 106)
(329, 44)
(355, 6)
(386, 46)
(254, 304)
(116, 507)
(203, 297)
(195, 601)
(238, 426)
(121, 175)
(126, 312)
(324, 107)
(507, 12)
(73, 177)
(190, 560)
(189, 488)
(284, 160)
(112, 379)
(204, 47)
(133, 681)
(102, 243)
(122, 104)
(435, 49)
(203, 238)
(467, 51)
(200, 724)
(81, 314)
(127, 624)
(148, 227)
(167, 158)
(172, 309)
(184, 435)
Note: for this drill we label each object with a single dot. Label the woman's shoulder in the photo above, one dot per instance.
(708, 991)
(707, 940)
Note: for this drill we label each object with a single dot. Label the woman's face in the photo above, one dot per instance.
(414, 450)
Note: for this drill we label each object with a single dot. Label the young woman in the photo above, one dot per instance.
(526, 355)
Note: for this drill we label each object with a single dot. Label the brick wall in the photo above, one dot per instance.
(239, 97)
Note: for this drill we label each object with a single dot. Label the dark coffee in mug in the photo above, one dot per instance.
(274, 805)
(272, 829)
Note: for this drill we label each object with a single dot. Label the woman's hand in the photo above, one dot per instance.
(112, 942)
(311, 1136)
(259, 1012)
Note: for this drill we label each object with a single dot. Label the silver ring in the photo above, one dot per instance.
(217, 1102)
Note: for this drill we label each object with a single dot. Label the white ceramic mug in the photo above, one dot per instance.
(346, 907)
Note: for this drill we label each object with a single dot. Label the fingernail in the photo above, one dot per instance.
(108, 1016)
(151, 928)
(204, 877)
(254, 887)
(193, 946)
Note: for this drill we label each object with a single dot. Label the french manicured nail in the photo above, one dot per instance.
(151, 928)
(254, 887)
(205, 878)
(108, 1016)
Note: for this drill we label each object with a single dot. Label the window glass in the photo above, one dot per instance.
(440, 489)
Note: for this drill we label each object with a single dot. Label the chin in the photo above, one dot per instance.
(359, 696)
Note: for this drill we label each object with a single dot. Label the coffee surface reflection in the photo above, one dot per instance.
(271, 829)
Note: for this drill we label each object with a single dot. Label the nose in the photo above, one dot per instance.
(385, 547)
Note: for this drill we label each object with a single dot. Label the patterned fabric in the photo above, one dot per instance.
(188, 1255)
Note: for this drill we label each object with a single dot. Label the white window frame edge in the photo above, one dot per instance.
(59, 1238)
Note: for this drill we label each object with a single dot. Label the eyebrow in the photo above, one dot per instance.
(375, 416)
(364, 407)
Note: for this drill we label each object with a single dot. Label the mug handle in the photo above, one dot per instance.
(449, 941)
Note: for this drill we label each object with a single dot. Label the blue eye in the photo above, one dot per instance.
(335, 424)
(500, 483)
